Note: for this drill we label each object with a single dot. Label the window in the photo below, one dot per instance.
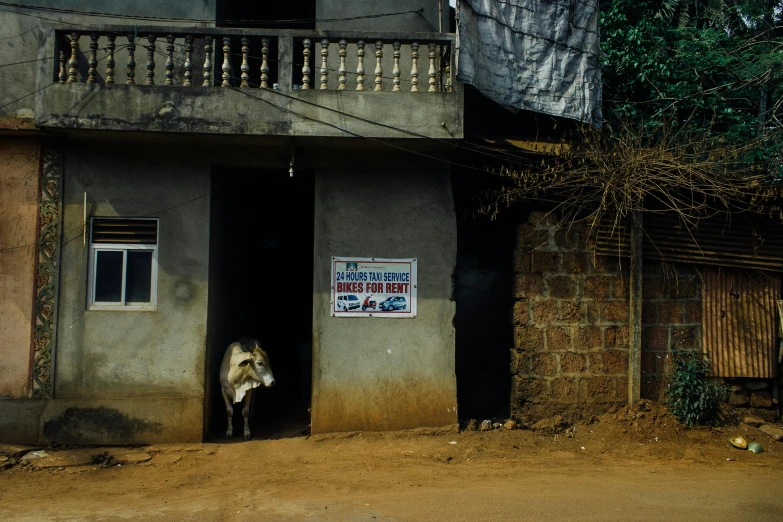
(123, 264)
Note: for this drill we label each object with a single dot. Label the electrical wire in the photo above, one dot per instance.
(59, 10)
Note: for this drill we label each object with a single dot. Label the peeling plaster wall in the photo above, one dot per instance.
(373, 373)
(133, 354)
(19, 193)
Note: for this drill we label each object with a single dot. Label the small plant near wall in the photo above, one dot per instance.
(692, 395)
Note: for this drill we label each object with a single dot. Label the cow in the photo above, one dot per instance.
(245, 366)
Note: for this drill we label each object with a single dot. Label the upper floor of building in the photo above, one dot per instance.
(313, 68)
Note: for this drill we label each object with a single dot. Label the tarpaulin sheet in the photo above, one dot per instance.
(538, 55)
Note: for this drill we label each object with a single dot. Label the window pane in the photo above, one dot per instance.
(138, 284)
(108, 277)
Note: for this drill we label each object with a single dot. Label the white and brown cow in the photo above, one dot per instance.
(245, 366)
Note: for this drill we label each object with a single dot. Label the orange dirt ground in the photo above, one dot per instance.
(636, 464)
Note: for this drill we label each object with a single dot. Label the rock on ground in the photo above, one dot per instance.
(773, 431)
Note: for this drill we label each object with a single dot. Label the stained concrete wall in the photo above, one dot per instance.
(19, 193)
(25, 34)
(140, 355)
(104, 354)
(375, 373)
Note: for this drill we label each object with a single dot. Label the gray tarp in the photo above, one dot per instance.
(539, 55)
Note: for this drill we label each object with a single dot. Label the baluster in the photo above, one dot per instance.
(378, 66)
(131, 67)
(63, 75)
(396, 69)
(188, 61)
(306, 66)
(324, 69)
(447, 71)
(150, 60)
(432, 73)
(265, 63)
(92, 61)
(360, 66)
(169, 60)
(73, 62)
(245, 68)
(342, 71)
(110, 63)
(415, 67)
(207, 62)
(226, 62)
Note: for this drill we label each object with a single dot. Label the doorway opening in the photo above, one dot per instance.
(482, 290)
(261, 286)
(273, 15)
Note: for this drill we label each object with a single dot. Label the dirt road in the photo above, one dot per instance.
(605, 470)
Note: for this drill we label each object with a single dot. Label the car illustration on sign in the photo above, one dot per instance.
(348, 302)
(395, 302)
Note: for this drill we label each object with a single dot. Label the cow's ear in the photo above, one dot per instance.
(244, 362)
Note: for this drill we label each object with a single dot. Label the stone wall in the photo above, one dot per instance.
(570, 354)
(671, 319)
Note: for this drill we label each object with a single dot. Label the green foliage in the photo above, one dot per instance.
(692, 396)
(711, 68)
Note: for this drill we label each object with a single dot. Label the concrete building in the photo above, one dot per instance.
(174, 182)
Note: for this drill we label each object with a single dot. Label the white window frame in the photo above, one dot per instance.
(124, 248)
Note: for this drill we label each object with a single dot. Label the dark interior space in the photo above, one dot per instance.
(275, 15)
(483, 282)
(486, 118)
(261, 266)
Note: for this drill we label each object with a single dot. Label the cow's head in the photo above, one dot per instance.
(257, 362)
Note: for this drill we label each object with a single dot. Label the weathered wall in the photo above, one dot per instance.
(19, 193)
(136, 354)
(671, 319)
(100, 421)
(374, 373)
(25, 33)
(570, 354)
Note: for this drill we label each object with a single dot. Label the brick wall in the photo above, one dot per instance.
(570, 317)
(570, 354)
(671, 319)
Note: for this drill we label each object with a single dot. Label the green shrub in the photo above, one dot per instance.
(691, 395)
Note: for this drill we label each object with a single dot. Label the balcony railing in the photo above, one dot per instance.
(285, 60)
(259, 82)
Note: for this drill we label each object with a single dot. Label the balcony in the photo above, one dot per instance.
(250, 82)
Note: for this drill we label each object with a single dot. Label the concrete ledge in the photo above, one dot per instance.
(101, 421)
(252, 111)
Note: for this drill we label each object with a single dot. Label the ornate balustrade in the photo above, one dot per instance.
(284, 60)
(250, 81)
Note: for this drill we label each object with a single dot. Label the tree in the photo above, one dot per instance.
(712, 66)
(692, 100)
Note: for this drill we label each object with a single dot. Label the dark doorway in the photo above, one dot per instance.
(483, 293)
(275, 15)
(261, 266)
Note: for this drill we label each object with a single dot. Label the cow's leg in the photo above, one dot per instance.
(229, 412)
(246, 412)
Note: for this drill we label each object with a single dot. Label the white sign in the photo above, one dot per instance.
(372, 287)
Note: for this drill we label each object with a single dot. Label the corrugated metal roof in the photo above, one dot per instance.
(745, 241)
(739, 327)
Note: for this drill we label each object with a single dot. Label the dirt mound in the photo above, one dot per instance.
(646, 418)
